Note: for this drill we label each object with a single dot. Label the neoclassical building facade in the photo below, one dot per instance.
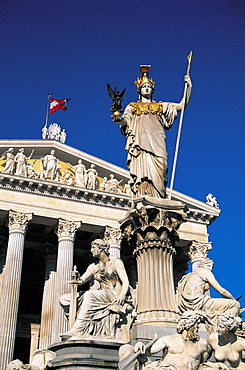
(55, 200)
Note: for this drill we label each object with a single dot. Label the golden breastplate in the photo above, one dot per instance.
(144, 108)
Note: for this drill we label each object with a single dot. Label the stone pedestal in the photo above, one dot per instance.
(150, 227)
(85, 355)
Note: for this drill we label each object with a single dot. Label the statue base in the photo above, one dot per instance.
(85, 355)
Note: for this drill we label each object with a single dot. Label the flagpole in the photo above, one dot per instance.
(189, 58)
(47, 110)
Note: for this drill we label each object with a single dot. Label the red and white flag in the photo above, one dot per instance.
(57, 104)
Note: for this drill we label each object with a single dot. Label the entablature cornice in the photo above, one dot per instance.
(63, 191)
(200, 217)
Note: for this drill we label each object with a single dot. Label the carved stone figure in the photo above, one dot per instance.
(80, 173)
(184, 350)
(9, 164)
(127, 189)
(63, 136)
(227, 346)
(143, 124)
(50, 165)
(40, 361)
(193, 294)
(92, 177)
(18, 365)
(116, 97)
(211, 200)
(41, 358)
(113, 185)
(44, 132)
(101, 307)
(67, 178)
(54, 131)
(21, 163)
(31, 173)
(104, 184)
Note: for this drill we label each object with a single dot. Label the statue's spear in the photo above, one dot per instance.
(189, 58)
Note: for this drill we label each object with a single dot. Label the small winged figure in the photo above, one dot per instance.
(116, 97)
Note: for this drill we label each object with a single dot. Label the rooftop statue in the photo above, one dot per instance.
(185, 350)
(21, 163)
(91, 177)
(212, 200)
(100, 308)
(10, 163)
(50, 165)
(54, 132)
(80, 173)
(113, 185)
(193, 294)
(143, 123)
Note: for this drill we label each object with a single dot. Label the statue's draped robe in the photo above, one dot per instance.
(146, 145)
(95, 315)
(193, 294)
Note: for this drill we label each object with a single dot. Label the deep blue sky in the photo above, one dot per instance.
(71, 49)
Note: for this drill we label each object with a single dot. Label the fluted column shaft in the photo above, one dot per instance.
(49, 297)
(66, 235)
(155, 290)
(11, 285)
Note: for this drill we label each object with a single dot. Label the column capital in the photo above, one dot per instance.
(112, 235)
(18, 221)
(199, 250)
(67, 229)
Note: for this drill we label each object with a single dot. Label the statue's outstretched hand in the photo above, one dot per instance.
(139, 346)
(187, 79)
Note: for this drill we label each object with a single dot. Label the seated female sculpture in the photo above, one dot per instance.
(193, 294)
(100, 307)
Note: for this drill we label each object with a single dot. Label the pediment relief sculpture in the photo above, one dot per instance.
(51, 168)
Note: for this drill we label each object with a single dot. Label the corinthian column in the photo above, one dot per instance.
(198, 251)
(66, 234)
(150, 228)
(113, 237)
(10, 290)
